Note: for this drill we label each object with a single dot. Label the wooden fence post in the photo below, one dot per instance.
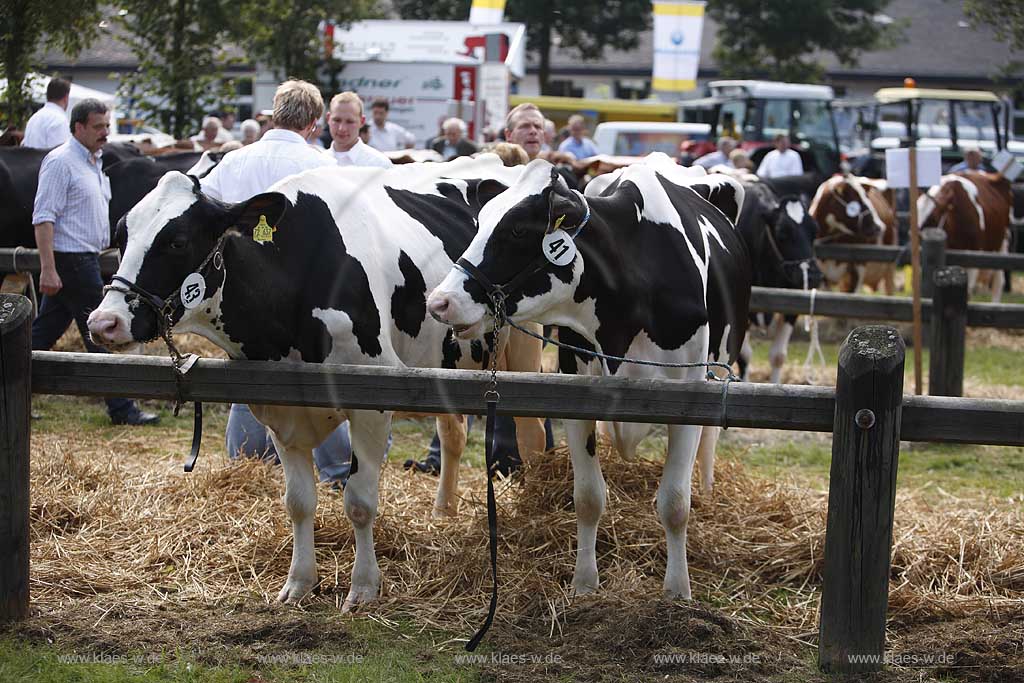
(948, 332)
(15, 410)
(933, 257)
(862, 495)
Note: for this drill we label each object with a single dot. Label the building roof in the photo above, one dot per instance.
(110, 51)
(940, 44)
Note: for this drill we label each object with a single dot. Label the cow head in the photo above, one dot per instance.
(793, 231)
(523, 252)
(169, 242)
(844, 205)
(953, 206)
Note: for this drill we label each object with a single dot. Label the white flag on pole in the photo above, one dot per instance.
(483, 12)
(677, 33)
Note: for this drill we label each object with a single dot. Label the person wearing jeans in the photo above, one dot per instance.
(72, 227)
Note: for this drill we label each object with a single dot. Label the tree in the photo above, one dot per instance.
(585, 27)
(182, 47)
(28, 25)
(782, 38)
(286, 36)
(1006, 17)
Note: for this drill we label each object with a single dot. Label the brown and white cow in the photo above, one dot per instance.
(853, 210)
(973, 208)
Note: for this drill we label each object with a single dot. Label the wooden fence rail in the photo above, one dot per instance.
(883, 308)
(25, 260)
(867, 413)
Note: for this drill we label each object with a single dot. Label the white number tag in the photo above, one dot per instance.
(559, 248)
(193, 289)
(853, 209)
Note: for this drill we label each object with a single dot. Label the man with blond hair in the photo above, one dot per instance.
(344, 120)
(281, 152)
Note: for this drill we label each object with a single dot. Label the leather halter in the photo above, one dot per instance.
(505, 289)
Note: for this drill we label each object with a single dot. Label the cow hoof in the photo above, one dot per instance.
(357, 597)
(585, 583)
(294, 590)
(673, 594)
(449, 512)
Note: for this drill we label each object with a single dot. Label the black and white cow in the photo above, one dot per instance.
(331, 265)
(779, 233)
(655, 270)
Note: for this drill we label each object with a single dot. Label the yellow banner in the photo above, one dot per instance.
(488, 4)
(671, 84)
(672, 9)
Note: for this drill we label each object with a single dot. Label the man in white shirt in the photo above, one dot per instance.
(49, 127)
(281, 152)
(345, 119)
(245, 172)
(385, 135)
(781, 161)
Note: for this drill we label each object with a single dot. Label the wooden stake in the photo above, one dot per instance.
(915, 269)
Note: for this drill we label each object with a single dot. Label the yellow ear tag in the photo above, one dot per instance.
(263, 232)
(558, 223)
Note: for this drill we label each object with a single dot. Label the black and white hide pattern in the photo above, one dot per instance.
(344, 279)
(659, 273)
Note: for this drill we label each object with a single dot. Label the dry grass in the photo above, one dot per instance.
(133, 529)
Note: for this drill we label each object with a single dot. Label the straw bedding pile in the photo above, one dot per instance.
(115, 529)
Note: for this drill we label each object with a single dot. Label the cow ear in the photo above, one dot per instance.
(268, 208)
(564, 211)
(486, 190)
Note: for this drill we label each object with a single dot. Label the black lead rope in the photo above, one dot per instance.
(491, 396)
(492, 521)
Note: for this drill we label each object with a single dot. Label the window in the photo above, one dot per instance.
(563, 89)
(731, 119)
(776, 118)
(812, 121)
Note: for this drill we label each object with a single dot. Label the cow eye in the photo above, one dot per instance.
(518, 231)
(179, 243)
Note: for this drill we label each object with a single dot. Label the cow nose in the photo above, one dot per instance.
(438, 307)
(108, 328)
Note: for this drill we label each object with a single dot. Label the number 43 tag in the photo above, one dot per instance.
(559, 248)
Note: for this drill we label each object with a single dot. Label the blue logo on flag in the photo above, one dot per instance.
(677, 38)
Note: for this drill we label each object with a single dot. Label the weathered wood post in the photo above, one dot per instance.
(862, 495)
(15, 409)
(933, 257)
(948, 332)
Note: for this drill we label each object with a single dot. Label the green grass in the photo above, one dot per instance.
(377, 653)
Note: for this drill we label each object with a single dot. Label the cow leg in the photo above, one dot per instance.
(452, 431)
(999, 276)
(706, 458)
(588, 494)
(369, 440)
(780, 347)
(296, 431)
(673, 505)
(972, 280)
(523, 354)
(300, 502)
(746, 356)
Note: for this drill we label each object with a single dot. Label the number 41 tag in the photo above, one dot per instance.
(559, 248)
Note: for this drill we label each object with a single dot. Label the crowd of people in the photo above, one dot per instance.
(71, 222)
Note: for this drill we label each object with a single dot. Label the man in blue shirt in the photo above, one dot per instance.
(577, 143)
(72, 227)
(973, 161)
